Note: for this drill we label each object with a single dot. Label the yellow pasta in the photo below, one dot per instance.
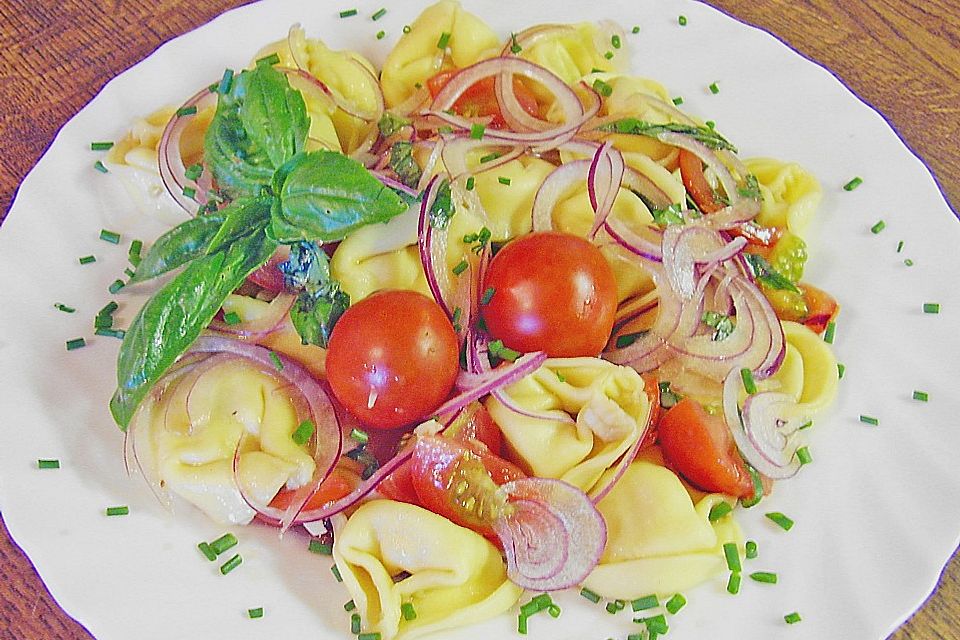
(791, 195)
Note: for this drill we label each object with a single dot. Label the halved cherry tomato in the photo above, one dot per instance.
(458, 480)
(336, 486)
(399, 486)
(822, 308)
(481, 99)
(691, 172)
(699, 447)
(393, 358)
(552, 292)
(758, 235)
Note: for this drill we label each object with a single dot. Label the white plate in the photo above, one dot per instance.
(877, 514)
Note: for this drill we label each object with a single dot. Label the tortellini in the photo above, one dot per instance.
(572, 52)
(508, 207)
(791, 195)
(194, 428)
(809, 371)
(609, 409)
(416, 57)
(657, 540)
(392, 553)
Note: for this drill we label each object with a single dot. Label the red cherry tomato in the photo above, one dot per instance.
(552, 292)
(691, 172)
(336, 486)
(699, 447)
(480, 99)
(392, 358)
(822, 308)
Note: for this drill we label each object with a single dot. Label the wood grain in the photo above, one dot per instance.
(901, 56)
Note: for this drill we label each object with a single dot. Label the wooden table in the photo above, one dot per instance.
(901, 56)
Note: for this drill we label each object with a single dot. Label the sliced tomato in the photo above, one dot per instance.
(399, 486)
(822, 308)
(480, 99)
(459, 480)
(337, 485)
(652, 387)
(477, 424)
(758, 235)
(699, 447)
(695, 182)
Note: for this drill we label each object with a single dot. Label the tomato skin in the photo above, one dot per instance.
(392, 358)
(695, 182)
(699, 447)
(553, 292)
(399, 485)
(337, 485)
(822, 308)
(480, 99)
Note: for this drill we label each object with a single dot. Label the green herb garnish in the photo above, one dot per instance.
(634, 126)
(767, 275)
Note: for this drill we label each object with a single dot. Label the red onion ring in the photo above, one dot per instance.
(603, 184)
(503, 376)
(263, 326)
(556, 185)
(170, 162)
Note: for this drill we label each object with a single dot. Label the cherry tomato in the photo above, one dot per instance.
(822, 308)
(552, 292)
(336, 486)
(691, 172)
(459, 480)
(480, 99)
(399, 485)
(392, 358)
(699, 447)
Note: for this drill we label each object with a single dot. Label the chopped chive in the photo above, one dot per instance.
(748, 383)
(487, 295)
(48, 464)
(719, 510)
(590, 595)
(682, 21)
(635, 30)
(908, 262)
(188, 111)
(193, 171)
(349, 605)
(497, 350)
(841, 369)
(869, 420)
(677, 101)
(714, 89)
(733, 583)
(115, 286)
(900, 246)
(118, 511)
(224, 542)
(207, 551)
(644, 603)
(190, 192)
(111, 333)
(355, 623)
(504, 181)
(470, 183)
(602, 88)
(766, 577)
(803, 455)
(128, 272)
(488, 158)
(514, 47)
(59, 306)
(231, 564)
(110, 236)
(232, 318)
(711, 124)
(635, 636)
(522, 624)
(76, 343)
(830, 333)
(347, 13)
(807, 424)
(751, 549)
(608, 55)
(255, 613)
(655, 624)
(320, 548)
(676, 603)
(409, 613)
(457, 314)
(381, 34)
(225, 81)
(359, 436)
(103, 322)
(627, 339)
(335, 570)
(461, 267)
(101, 146)
(878, 227)
(792, 618)
(108, 308)
(379, 14)
(612, 608)
(615, 41)
(780, 520)
(476, 130)
(406, 28)
(931, 307)
(732, 555)
(270, 60)
(304, 432)
(853, 184)
(277, 362)
(99, 166)
(373, 635)
(554, 610)
(444, 40)
(88, 259)
(922, 396)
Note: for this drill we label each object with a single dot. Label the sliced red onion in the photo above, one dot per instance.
(552, 534)
(394, 184)
(743, 210)
(431, 164)
(708, 157)
(263, 326)
(457, 147)
(170, 162)
(641, 184)
(503, 376)
(603, 184)
(556, 185)
(767, 434)
(635, 307)
(637, 244)
(652, 349)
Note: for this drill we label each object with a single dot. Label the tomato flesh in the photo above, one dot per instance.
(699, 447)
(337, 485)
(480, 99)
(551, 292)
(822, 308)
(695, 182)
(392, 358)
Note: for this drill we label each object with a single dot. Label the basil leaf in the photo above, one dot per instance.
(442, 209)
(322, 196)
(670, 215)
(403, 164)
(173, 318)
(274, 115)
(390, 123)
(320, 302)
(240, 218)
(767, 275)
(185, 242)
(706, 135)
(722, 324)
